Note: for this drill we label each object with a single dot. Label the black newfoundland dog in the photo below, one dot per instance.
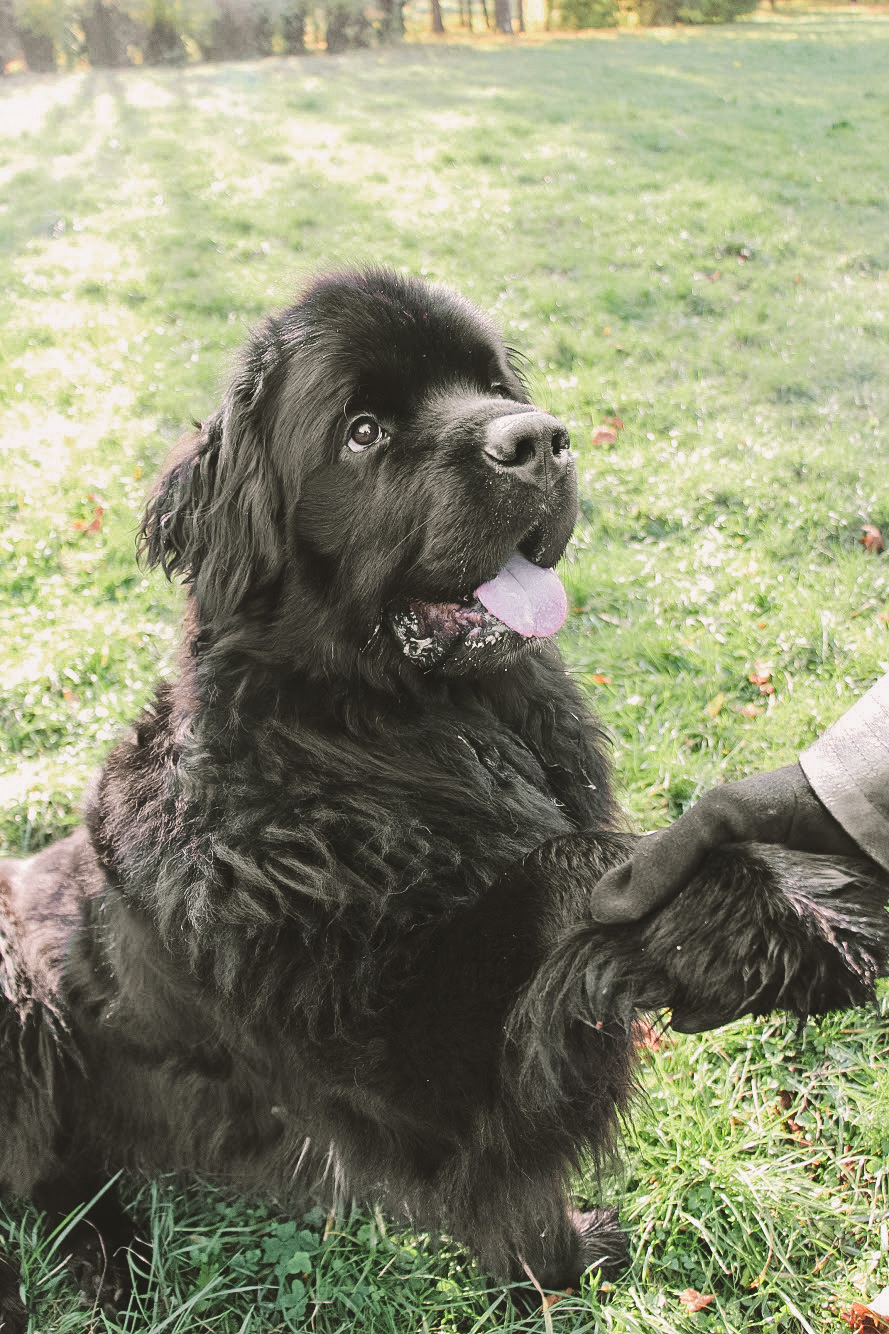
(326, 931)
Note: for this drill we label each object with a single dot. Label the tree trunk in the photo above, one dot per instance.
(39, 51)
(520, 7)
(293, 30)
(503, 16)
(392, 27)
(10, 40)
(437, 24)
(336, 38)
(106, 32)
(487, 16)
(347, 28)
(164, 45)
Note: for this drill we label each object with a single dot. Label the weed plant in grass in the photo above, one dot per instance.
(685, 231)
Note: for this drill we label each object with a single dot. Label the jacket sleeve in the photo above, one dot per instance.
(848, 768)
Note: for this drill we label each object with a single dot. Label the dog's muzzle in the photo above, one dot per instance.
(531, 446)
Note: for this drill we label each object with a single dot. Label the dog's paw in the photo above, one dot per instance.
(13, 1314)
(768, 929)
(102, 1274)
(592, 1241)
(760, 928)
(604, 1247)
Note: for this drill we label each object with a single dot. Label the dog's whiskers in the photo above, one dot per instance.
(413, 532)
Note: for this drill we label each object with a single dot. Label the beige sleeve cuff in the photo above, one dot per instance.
(848, 769)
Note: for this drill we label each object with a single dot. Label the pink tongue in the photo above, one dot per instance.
(528, 599)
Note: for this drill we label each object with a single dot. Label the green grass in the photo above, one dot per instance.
(689, 231)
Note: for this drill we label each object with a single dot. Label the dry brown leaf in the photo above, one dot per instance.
(695, 1301)
(715, 705)
(864, 1320)
(603, 435)
(552, 1297)
(871, 538)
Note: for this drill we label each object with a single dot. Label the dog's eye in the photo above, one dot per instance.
(364, 433)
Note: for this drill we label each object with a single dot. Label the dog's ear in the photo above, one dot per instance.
(215, 516)
(167, 534)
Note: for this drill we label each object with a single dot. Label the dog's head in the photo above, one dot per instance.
(376, 482)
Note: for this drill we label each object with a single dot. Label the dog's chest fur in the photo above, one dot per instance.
(206, 839)
(303, 812)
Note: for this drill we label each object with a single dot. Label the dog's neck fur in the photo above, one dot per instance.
(225, 780)
(222, 704)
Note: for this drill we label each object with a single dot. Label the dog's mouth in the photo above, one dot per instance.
(523, 602)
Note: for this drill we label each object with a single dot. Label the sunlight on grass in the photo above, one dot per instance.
(686, 233)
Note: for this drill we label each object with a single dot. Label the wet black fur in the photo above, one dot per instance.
(324, 932)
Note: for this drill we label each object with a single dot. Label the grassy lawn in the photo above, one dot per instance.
(688, 232)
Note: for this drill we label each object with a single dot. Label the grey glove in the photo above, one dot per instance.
(775, 807)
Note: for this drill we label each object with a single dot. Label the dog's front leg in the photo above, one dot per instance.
(759, 928)
(13, 1315)
(477, 1153)
(96, 1248)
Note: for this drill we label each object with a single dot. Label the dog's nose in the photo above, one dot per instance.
(531, 445)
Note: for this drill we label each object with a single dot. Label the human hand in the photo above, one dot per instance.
(775, 807)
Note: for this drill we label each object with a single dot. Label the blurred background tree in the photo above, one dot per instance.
(47, 35)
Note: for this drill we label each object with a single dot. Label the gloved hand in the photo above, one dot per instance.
(775, 807)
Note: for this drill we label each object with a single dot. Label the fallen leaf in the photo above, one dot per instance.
(715, 705)
(552, 1297)
(871, 538)
(797, 1131)
(748, 710)
(760, 674)
(601, 680)
(695, 1301)
(864, 1320)
(615, 422)
(603, 435)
